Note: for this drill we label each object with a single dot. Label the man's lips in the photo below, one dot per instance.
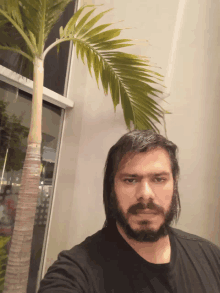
(145, 212)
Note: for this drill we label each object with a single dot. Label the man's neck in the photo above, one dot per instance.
(157, 252)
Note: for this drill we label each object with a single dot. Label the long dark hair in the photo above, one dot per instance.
(135, 141)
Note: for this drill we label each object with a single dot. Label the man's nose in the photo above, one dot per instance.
(145, 191)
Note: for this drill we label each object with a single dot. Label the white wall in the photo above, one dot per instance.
(91, 128)
(194, 124)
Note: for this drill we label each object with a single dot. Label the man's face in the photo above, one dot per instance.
(145, 203)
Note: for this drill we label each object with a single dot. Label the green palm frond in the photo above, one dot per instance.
(32, 20)
(41, 16)
(128, 77)
(71, 25)
(12, 40)
(25, 26)
(12, 18)
(12, 9)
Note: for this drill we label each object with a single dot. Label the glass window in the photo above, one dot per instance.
(15, 113)
(55, 64)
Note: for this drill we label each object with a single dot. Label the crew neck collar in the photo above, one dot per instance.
(123, 244)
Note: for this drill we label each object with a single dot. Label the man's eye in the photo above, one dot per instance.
(159, 180)
(125, 180)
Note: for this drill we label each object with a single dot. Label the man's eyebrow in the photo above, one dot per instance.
(148, 174)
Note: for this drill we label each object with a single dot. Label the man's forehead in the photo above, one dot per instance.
(135, 158)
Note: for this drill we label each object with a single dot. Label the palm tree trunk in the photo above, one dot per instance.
(17, 271)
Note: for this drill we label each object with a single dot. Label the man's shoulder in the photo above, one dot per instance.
(193, 239)
(94, 239)
(92, 247)
(77, 269)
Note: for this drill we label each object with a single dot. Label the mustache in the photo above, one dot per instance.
(142, 206)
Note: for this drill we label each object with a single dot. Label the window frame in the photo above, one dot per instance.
(25, 84)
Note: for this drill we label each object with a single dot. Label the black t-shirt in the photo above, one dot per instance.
(105, 263)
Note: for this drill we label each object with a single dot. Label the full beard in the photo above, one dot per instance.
(146, 234)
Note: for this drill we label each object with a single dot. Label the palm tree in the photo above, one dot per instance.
(24, 28)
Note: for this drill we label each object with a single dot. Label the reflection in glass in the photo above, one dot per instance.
(15, 113)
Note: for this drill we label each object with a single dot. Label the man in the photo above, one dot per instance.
(137, 250)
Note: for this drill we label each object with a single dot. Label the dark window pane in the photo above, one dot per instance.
(56, 64)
